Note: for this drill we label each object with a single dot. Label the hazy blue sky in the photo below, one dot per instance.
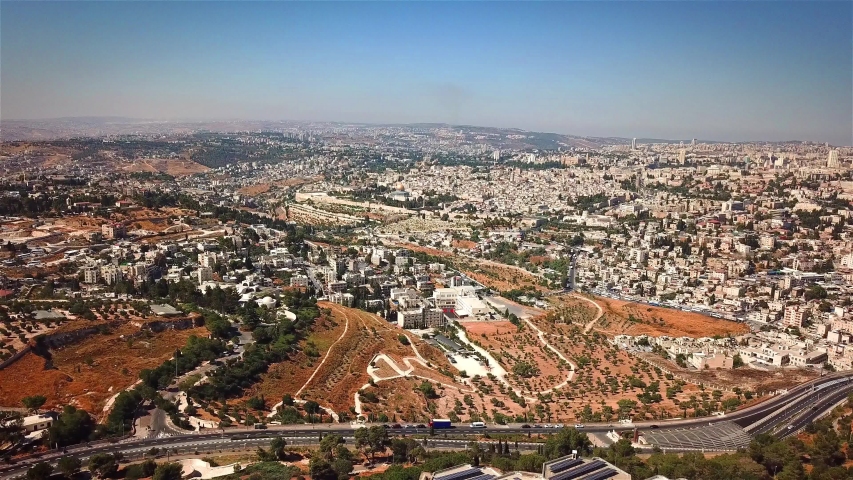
(710, 70)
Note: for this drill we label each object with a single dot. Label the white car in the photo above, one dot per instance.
(579, 425)
(559, 425)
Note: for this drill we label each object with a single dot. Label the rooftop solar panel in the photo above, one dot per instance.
(564, 464)
(579, 471)
(469, 473)
(485, 476)
(602, 475)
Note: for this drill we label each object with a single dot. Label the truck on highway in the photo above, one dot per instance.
(439, 423)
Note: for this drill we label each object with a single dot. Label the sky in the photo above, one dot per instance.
(729, 71)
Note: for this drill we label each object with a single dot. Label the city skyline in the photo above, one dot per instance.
(733, 72)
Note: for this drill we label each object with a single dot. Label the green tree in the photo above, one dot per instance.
(277, 448)
(103, 465)
(34, 402)
(427, 389)
(342, 467)
(371, 440)
(311, 407)
(737, 361)
(321, 469)
(10, 427)
(68, 466)
(140, 470)
(329, 445)
(403, 449)
(565, 441)
(168, 471)
(525, 369)
(72, 426)
(40, 471)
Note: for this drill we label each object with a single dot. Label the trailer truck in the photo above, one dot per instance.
(440, 423)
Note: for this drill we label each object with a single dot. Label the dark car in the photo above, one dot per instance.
(525, 426)
(385, 425)
(396, 425)
(420, 425)
(654, 426)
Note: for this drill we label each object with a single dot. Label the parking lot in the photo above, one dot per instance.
(721, 436)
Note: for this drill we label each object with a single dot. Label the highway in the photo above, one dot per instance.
(798, 407)
(820, 407)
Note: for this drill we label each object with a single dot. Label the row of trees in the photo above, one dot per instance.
(272, 344)
(106, 465)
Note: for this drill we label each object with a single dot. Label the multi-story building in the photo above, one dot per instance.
(110, 274)
(207, 259)
(90, 275)
(795, 315)
(337, 286)
(204, 274)
(444, 298)
(420, 318)
(112, 231)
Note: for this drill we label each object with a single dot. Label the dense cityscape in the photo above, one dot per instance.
(506, 284)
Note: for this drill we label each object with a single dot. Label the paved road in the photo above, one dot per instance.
(811, 413)
(821, 393)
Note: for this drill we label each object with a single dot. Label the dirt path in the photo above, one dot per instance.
(574, 366)
(325, 357)
(407, 373)
(296, 398)
(592, 322)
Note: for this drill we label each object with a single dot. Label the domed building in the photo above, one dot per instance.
(268, 302)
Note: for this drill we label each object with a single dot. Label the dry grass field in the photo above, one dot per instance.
(89, 372)
(511, 347)
(621, 317)
(176, 167)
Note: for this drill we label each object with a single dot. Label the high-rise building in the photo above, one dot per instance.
(832, 159)
(633, 144)
(496, 155)
(682, 156)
